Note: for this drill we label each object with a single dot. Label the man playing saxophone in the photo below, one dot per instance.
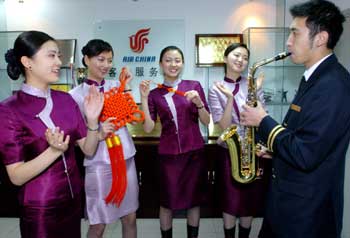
(305, 199)
(226, 98)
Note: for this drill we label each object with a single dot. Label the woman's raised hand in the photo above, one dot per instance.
(56, 140)
(223, 89)
(145, 88)
(128, 75)
(93, 104)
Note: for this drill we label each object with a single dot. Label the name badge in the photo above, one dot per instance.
(295, 108)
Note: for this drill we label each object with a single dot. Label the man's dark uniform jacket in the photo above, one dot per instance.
(305, 199)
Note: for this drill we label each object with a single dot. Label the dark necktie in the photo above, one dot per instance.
(234, 92)
(301, 88)
(92, 82)
(302, 84)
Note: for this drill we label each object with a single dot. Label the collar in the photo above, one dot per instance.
(226, 79)
(93, 82)
(310, 70)
(35, 91)
(172, 84)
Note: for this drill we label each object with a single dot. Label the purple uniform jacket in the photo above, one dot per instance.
(23, 138)
(180, 132)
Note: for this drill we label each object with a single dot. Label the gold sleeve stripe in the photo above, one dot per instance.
(272, 133)
(274, 137)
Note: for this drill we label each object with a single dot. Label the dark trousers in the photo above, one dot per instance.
(265, 230)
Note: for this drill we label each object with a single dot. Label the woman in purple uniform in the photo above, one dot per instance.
(98, 58)
(39, 131)
(226, 98)
(181, 145)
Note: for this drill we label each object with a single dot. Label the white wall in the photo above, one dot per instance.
(2, 16)
(75, 18)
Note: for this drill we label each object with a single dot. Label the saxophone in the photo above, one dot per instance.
(244, 164)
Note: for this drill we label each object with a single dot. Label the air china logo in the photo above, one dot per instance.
(138, 41)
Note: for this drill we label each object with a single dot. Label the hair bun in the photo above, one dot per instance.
(13, 69)
(84, 50)
(10, 57)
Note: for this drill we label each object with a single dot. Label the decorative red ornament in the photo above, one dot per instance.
(120, 105)
(123, 107)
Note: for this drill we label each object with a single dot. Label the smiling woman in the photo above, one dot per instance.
(113, 163)
(43, 68)
(226, 98)
(37, 144)
(180, 105)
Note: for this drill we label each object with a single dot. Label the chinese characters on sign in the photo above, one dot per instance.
(139, 72)
(142, 71)
(137, 45)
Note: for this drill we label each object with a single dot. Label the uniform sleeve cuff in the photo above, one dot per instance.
(268, 131)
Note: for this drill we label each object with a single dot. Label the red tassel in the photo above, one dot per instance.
(113, 190)
(118, 166)
(122, 178)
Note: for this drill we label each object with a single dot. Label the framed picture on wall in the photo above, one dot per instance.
(210, 48)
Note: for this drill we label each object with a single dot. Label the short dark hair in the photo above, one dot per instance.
(95, 47)
(168, 48)
(26, 44)
(320, 16)
(233, 47)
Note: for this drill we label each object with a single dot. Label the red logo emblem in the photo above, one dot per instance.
(138, 41)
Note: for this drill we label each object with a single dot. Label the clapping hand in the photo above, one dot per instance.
(93, 104)
(223, 89)
(56, 140)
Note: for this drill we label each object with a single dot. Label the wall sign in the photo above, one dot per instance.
(137, 45)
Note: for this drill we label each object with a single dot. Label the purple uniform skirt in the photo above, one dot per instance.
(183, 180)
(52, 222)
(240, 199)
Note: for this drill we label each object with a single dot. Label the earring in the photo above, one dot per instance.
(30, 67)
